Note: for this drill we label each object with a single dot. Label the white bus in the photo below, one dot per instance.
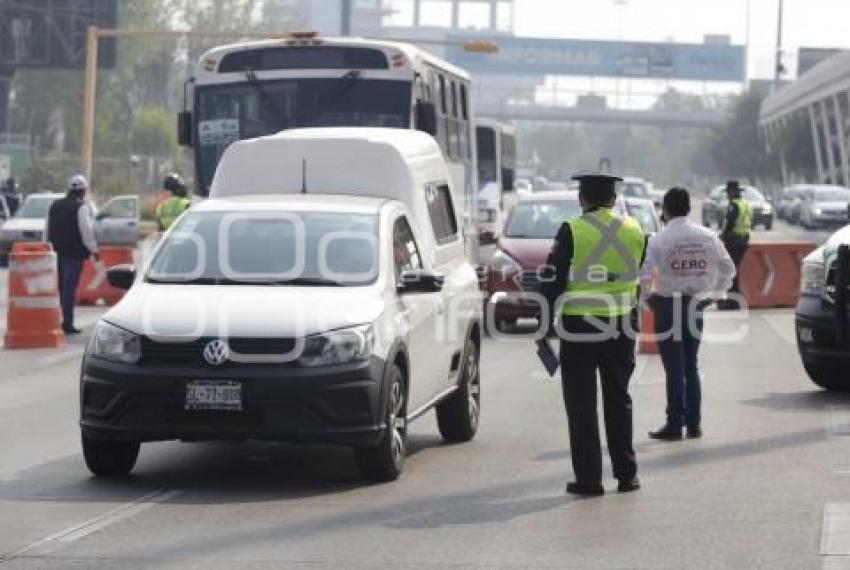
(496, 148)
(252, 89)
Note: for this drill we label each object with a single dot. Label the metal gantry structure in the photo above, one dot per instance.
(822, 96)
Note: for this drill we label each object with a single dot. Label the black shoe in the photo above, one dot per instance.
(628, 485)
(585, 489)
(667, 433)
(71, 330)
(694, 432)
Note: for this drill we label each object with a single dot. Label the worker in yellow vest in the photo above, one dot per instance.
(736, 237)
(170, 209)
(596, 260)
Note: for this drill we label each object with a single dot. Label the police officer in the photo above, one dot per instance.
(70, 229)
(686, 267)
(170, 209)
(736, 236)
(594, 292)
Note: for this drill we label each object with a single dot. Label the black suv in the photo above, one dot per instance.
(822, 314)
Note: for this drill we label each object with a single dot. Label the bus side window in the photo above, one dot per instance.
(452, 123)
(443, 107)
(464, 138)
(464, 107)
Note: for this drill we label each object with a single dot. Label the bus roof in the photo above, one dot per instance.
(414, 54)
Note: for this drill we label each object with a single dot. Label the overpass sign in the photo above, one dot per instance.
(591, 58)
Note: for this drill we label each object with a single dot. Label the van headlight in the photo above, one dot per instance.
(338, 347)
(813, 278)
(112, 343)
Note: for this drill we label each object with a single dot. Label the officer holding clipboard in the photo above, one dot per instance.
(596, 260)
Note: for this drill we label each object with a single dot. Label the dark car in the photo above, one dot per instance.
(823, 313)
(714, 207)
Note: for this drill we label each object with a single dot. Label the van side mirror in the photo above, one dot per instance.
(121, 276)
(184, 128)
(426, 117)
(420, 281)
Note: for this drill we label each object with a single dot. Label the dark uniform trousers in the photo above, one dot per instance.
(736, 245)
(614, 358)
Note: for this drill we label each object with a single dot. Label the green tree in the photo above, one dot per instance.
(153, 132)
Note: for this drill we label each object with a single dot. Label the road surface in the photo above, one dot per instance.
(767, 487)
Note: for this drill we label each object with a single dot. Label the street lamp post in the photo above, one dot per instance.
(780, 67)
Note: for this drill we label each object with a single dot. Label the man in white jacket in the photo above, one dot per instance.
(686, 268)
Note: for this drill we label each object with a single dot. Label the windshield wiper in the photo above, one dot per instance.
(267, 99)
(350, 78)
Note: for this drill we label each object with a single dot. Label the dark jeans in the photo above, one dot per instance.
(69, 269)
(679, 325)
(615, 360)
(736, 246)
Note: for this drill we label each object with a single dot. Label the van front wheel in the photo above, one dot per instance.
(110, 458)
(458, 415)
(384, 461)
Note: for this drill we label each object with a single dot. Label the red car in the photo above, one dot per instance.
(521, 253)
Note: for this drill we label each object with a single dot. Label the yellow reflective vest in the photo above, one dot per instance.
(744, 223)
(169, 210)
(604, 271)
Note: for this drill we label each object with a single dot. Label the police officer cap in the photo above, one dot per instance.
(597, 186)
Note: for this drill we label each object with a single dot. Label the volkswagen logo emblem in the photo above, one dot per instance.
(216, 352)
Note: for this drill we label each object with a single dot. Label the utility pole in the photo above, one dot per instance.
(780, 67)
(345, 18)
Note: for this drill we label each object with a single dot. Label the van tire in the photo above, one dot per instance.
(828, 378)
(110, 458)
(384, 462)
(458, 415)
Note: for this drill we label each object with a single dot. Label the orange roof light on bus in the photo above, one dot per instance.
(304, 34)
(480, 46)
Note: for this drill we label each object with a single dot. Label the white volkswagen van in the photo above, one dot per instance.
(321, 294)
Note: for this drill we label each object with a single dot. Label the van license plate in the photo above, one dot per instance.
(214, 395)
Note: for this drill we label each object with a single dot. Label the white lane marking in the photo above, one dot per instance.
(83, 529)
(836, 563)
(839, 421)
(835, 530)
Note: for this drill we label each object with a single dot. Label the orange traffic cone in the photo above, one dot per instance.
(33, 319)
(648, 343)
(94, 286)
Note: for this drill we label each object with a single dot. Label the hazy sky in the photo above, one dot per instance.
(810, 23)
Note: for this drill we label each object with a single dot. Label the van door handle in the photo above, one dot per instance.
(441, 307)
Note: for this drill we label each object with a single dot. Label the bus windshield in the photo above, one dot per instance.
(226, 113)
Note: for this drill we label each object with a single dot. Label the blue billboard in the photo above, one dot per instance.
(538, 56)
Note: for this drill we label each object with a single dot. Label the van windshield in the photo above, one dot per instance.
(269, 248)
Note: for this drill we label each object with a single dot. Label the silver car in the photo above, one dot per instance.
(117, 223)
(825, 206)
